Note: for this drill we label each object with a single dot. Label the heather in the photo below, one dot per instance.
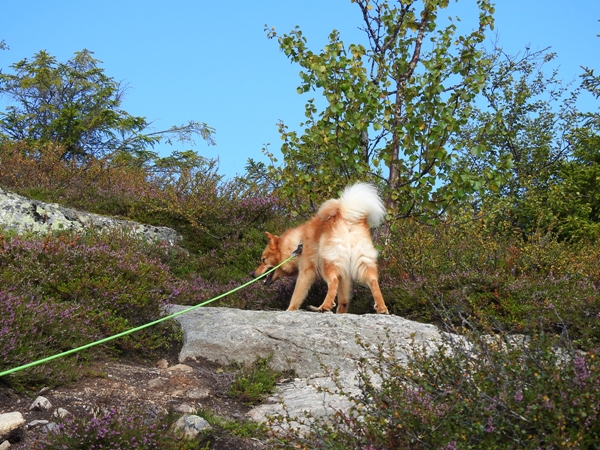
(112, 429)
(491, 280)
(32, 329)
(500, 392)
(63, 291)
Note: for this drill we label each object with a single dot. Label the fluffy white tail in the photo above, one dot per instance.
(362, 200)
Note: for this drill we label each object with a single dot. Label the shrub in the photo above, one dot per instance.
(495, 281)
(495, 393)
(120, 282)
(63, 291)
(95, 185)
(113, 429)
(222, 222)
(32, 329)
(253, 383)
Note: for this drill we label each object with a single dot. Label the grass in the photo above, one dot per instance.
(253, 383)
(241, 428)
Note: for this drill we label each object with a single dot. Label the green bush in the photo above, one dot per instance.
(493, 280)
(62, 291)
(253, 383)
(221, 426)
(502, 392)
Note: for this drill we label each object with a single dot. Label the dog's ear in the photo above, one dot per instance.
(271, 237)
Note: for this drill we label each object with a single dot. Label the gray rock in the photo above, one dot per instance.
(305, 342)
(157, 383)
(52, 427)
(61, 413)
(184, 408)
(40, 404)
(22, 215)
(298, 340)
(190, 425)
(198, 394)
(37, 423)
(295, 399)
(10, 423)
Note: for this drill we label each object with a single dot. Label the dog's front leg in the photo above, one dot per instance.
(305, 280)
(331, 277)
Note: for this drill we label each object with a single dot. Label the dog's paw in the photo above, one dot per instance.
(315, 309)
(384, 310)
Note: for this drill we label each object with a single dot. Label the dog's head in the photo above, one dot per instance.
(271, 257)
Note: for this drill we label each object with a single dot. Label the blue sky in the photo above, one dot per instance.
(212, 62)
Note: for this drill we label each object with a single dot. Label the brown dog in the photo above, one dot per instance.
(337, 246)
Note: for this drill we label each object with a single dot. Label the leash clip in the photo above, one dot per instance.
(298, 250)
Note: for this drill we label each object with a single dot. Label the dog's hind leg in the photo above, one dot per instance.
(370, 278)
(344, 294)
(303, 283)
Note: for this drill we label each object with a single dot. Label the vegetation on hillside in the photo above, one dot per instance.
(490, 175)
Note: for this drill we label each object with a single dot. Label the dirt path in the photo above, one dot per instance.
(152, 389)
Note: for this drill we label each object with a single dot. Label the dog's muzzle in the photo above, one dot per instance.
(268, 278)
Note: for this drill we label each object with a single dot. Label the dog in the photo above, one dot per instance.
(336, 246)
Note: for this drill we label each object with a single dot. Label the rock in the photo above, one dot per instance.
(198, 394)
(178, 393)
(299, 340)
(181, 368)
(10, 423)
(301, 396)
(37, 423)
(61, 413)
(21, 215)
(157, 383)
(40, 404)
(305, 342)
(190, 425)
(52, 427)
(162, 364)
(184, 408)
(5, 445)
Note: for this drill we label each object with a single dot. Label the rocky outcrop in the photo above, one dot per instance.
(304, 342)
(299, 340)
(22, 215)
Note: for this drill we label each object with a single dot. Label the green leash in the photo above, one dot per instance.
(133, 330)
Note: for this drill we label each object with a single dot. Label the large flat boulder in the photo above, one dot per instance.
(297, 340)
(301, 341)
